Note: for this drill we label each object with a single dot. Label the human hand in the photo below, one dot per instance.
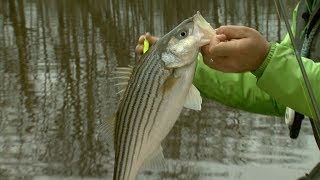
(244, 50)
(151, 39)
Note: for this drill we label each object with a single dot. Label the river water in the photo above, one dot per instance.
(55, 60)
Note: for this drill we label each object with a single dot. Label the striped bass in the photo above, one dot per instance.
(159, 86)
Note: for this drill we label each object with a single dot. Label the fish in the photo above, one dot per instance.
(152, 96)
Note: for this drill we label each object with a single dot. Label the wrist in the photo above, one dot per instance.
(258, 72)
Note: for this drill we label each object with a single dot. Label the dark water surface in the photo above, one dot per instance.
(55, 60)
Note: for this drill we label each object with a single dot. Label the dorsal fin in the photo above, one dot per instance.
(122, 76)
(106, 131)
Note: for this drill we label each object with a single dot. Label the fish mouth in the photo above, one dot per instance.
(202, 29)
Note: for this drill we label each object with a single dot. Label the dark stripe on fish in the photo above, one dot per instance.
(142, 110)
(129, 109)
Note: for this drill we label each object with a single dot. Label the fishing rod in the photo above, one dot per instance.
(280, 9)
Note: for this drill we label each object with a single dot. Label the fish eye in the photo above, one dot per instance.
(183, 33)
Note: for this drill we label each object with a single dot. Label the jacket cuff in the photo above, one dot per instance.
(258, 73)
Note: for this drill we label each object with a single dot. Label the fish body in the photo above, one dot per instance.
(157, 90)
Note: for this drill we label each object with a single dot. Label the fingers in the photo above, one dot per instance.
(221, 56)
(151, 39)
(227, 48)
(139, 49)
(234, 32)
(223, 64)
(141, 39)
(218, 64)
(241, 49)
(207, 49)
(221, 37)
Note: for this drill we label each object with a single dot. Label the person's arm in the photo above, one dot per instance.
(280, 76)
(238, 90)
(282, 79)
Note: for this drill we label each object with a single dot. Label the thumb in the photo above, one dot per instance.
(233, 32)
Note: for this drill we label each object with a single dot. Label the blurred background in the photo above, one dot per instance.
(55, 60)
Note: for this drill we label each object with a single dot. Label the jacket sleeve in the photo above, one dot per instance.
(283, 80)
(280, 76)
(238, 90)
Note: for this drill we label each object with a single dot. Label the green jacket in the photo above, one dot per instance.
(276, 84)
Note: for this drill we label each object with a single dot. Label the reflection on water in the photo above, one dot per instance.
(56, 57)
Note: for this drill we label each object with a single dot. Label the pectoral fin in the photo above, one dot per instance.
(193, 100)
